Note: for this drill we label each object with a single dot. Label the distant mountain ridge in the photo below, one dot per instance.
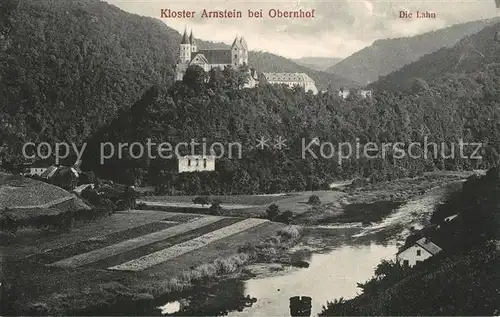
(268, 62)
(317, 63)
(471, 54)
(388, 55)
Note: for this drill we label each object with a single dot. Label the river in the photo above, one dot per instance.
(351, 255)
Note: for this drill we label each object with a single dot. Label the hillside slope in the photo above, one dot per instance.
(463, 279)
(468, 55)
(388, 55)
(317, 63)
(68, 67)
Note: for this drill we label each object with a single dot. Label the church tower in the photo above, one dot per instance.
(245, 50)
(185, 49)
(237, 52)
(192, 41)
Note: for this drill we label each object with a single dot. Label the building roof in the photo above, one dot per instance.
(425, 244)
(191, 38)
(185, 39)
(286, 77)
(216, 56)
(243, 43)
(194, 157)
(200, 57)
(237, 43)
(42, 163)
(49, 172)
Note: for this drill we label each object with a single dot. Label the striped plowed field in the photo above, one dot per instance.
(144, 245)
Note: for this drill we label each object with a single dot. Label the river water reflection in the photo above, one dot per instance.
(330, 275)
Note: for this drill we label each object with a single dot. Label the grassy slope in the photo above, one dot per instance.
(20, 191)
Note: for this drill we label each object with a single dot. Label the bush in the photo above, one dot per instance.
(215, 209)
(91, 196)
(289, 233)
(272, 212)
(285, 217)
(201, 200)
(314, 200)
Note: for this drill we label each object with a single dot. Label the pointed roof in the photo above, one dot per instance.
(191, 38)
(237, 43)
(185, 38)
(244, 43)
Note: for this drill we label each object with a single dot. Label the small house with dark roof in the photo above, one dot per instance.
(418, 252)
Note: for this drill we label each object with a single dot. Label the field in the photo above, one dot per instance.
(246, 205)
(90, 264)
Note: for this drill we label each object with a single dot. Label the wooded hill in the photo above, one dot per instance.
(388, 55)
(457, 108)
(463, 279)
(67, 67)
(317, 63)
(469, 55)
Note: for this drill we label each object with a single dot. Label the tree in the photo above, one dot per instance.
(314, 200)
(215, 209)
(195, 77)
(272, 212)
(286, 217)
(201, 200)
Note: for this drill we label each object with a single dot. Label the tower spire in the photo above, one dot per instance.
(185, 37)
(191, 38)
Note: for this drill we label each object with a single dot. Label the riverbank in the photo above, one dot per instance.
(91, 287)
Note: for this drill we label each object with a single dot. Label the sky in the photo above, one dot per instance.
(338, 29)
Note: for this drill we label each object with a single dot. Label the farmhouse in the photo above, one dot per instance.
(37, 168)
(196, 163)
(418, 252)
(344, 93)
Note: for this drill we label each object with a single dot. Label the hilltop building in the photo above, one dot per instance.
(290, 79)
(234, 57)
(418, 252)
(189, 54)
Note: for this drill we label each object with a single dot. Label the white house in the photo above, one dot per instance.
(37, 168)
(365, 93)
(344, 93)
(418, 252)
(291, 80)
(196, 163)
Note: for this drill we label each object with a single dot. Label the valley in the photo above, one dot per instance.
(169, 250)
